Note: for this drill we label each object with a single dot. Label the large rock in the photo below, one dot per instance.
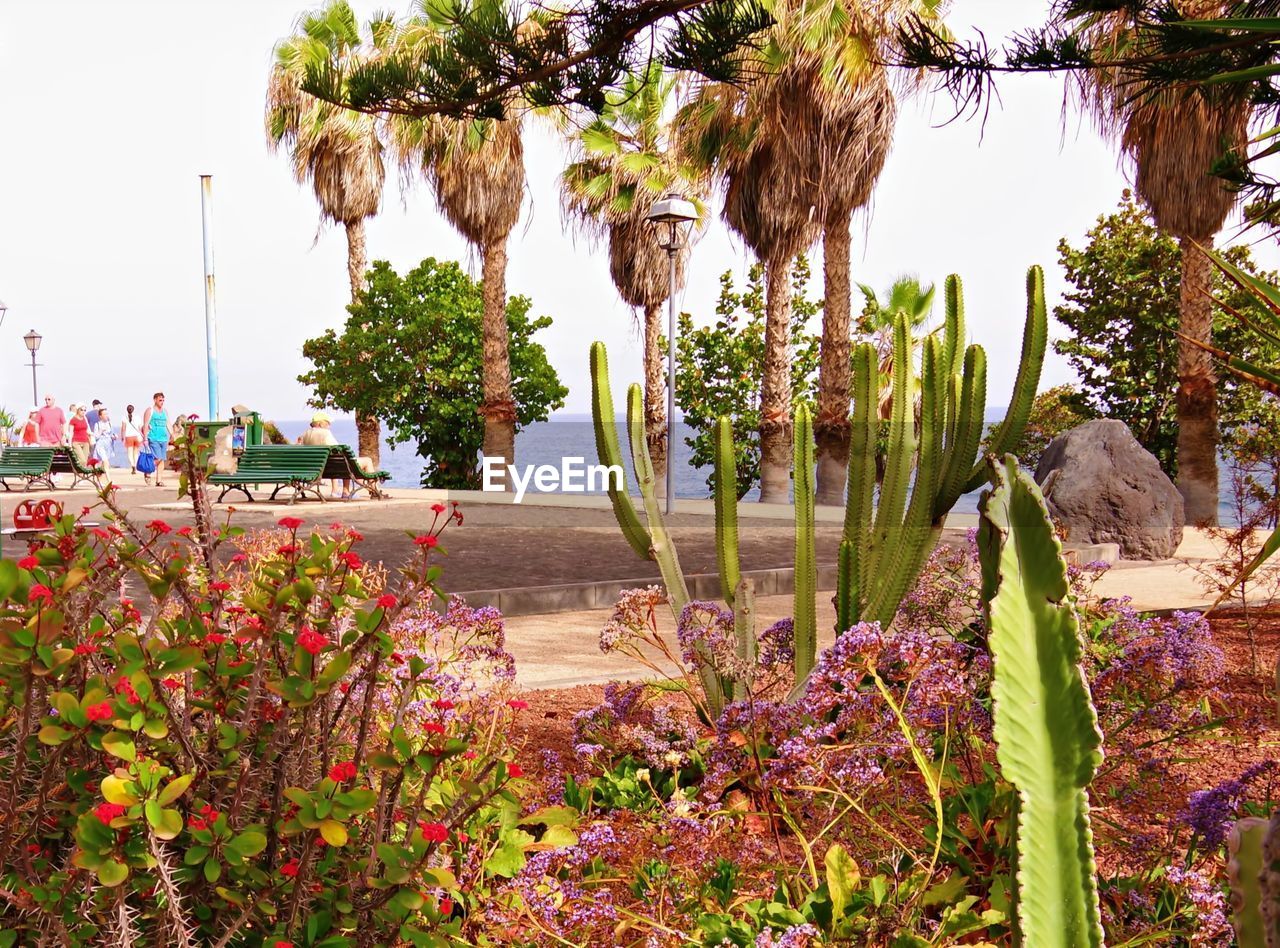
(1104, 487)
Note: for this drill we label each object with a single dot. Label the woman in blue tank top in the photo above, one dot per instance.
(155, 429)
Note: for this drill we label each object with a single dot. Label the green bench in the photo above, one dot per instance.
(30, 465)
(297, 467)
(344, 465)
(65, 461)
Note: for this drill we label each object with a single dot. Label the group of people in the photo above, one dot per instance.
(92, 435)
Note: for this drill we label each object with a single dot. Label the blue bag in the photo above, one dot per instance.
(147, 462)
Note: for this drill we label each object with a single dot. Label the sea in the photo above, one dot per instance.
(573, 436)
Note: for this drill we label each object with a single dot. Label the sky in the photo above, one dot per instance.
(100, 227)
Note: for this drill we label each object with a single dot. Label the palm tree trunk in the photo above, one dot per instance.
(831, 421)
(655, 394)
(775, 386)
(498, 408)
(368, 430)
(1197, 395)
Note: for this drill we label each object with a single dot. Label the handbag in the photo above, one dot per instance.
(146, 462)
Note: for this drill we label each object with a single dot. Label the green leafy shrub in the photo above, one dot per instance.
(273, 748)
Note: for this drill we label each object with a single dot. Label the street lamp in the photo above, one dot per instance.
(32, 339)
(3, 309)
(672, 215)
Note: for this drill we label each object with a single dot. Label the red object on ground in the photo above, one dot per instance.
(36, 514)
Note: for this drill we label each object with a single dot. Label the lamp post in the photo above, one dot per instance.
(671, 214)
(32, 339)
(3, 309)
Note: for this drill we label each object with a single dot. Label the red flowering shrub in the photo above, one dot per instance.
(239, 758)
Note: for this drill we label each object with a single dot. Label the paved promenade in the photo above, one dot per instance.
(559, 553)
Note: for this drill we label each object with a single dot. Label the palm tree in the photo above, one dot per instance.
(476, 169)
(336, 150)
(624, 161)
(754, 137)
(799, 149)
(906, 297)
(1173, 136)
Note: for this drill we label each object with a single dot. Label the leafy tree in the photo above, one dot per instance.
(1123, 311)
(720, 367)
(423, 337)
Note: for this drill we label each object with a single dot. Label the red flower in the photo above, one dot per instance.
(443, 704)
(344, 771)
(446, 906)
(101, 534)
(28, 563)
(159, 526)
(355, 536)
(215, 638)
(386, 601)
(515, 770)
(517, 705)
(40, 591)
(239, 558)
(312, 641)
(288, 549)
(438, 508)
(469, 755)
(434, 832)
(219, 586)
(106, 812)
(290, 523)
(351, 559)
(102, 711)
(431, 727)
(427, 539)
(172, 684)
(290, 869)
(86, 648)
(184, 531)
(281, 943)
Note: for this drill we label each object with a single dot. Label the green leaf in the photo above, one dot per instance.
(249, 843)
(119, 745)
(53, 735)
(112, 872)
(175, 788)
(843, 879)
(116, 790)
(212, 871)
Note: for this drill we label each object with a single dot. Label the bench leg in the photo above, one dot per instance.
(230, 487)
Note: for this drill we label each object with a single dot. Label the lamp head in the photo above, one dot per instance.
(32, 339)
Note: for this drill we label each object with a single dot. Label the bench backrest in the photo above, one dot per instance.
(34, 459)
(301, 461)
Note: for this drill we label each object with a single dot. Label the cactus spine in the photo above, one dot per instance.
(929, 463)
(1044, 724)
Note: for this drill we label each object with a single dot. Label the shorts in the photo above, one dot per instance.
(159, 448)
(132, 442)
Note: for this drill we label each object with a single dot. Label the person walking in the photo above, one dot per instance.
(31, 430)
(78, 433)
(131, 435)
(155, 428)
(92, 414)
(52, 423)
(104, 440)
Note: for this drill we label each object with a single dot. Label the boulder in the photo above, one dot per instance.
(1104, 487)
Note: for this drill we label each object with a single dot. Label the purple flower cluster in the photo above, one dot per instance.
(1213, 925)
(843, 730)
(945, 596)
(630, 721)
(1211, 812)
(705, 634)
(797, 936)
(633, 619)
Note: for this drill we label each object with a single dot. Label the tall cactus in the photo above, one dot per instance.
(805, 613)
(929, 463)
(1045, 728)
(931, 460)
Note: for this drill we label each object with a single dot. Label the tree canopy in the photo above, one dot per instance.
(410, 354)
